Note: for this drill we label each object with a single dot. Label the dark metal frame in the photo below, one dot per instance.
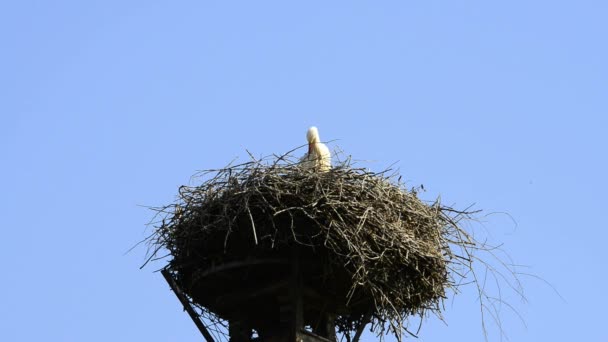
(187, 306)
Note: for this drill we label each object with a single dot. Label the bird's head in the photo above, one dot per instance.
(312, 135)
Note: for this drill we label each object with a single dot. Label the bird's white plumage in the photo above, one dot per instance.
(318, 156)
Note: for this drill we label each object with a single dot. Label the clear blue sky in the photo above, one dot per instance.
(109, 105)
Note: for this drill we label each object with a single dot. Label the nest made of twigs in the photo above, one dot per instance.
(371, 250)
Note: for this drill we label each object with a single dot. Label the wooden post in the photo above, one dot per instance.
(327, 326)
(366, 319)
(297, 314)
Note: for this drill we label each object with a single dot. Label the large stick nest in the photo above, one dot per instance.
(369, 249)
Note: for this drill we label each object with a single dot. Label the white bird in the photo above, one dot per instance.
(318, 156)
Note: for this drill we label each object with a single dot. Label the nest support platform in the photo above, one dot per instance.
(277, 297)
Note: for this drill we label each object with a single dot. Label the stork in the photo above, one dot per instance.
(318, 156)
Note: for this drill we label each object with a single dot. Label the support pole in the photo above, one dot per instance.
(296, 292)
(366, 318)
(182, 298)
